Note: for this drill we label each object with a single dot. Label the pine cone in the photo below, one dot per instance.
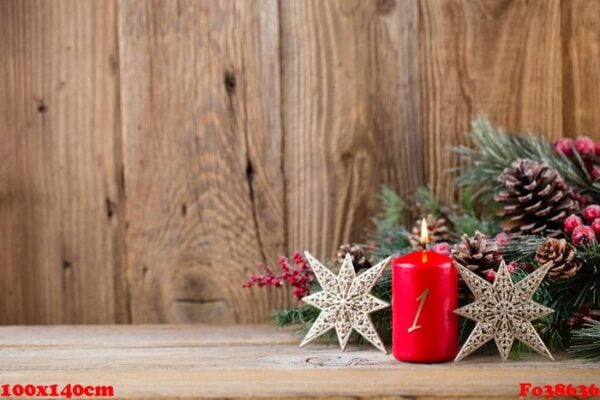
(359, 258)
(437, 228)
(536, 199)
(562, 255)
(477, 253)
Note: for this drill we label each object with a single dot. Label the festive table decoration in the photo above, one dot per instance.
(524, 201)
(345, 302)
(424, 295)
(503, 311)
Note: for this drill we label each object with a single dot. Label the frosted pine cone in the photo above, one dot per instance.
(536, 199)
(359, 257)
(479, 254)
(562, 255)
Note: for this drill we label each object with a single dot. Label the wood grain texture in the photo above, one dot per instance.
(203, 148)
(196, 362)
(500, 58)
(61, 199)
(581, 41)
(154, 151)
(351, 122)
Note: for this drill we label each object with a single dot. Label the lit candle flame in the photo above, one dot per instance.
(424, 235)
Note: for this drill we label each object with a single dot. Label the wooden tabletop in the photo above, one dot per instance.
(189, 362)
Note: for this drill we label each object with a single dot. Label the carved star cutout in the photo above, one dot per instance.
(503, 311)
(345, 302)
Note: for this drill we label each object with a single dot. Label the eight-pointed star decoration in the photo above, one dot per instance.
(345, 302)
(503, 311)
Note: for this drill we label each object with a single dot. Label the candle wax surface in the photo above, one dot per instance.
(424, 296)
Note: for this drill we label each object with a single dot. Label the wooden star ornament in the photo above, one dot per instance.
(345, 302)
(503, 311)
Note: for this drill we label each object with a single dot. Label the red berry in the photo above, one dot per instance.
(564, 146)
(591, 212)
(597, 148)
(299, 277)
(585, 146)
(583, 235)
(582, 199)
(511, 267)
(501, 239)
(595, 172)
(490, 275)
(596, 226)
(300, 292)
(442, 248)
(572, 222)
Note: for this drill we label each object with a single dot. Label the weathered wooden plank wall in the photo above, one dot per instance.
(501, 58)
(61, 192)
(203, 154)
(154, 151)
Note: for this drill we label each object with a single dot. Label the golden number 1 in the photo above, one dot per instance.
(421, 299)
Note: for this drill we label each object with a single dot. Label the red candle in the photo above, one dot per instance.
(424, 296)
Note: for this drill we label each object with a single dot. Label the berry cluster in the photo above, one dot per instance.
(299, 276)
(588, 150)
(490, 275)
(584, 233)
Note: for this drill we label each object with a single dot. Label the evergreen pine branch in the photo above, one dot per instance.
(391, 242)
(426, 201)
(389, 237)
(590, 254)
(393, 208)
(584, 287)
(468, 223)
(292, 316)
(522, 248)
(495, 150)
(303, 315)
(585, 342)
(467, 219)
(468, 203)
